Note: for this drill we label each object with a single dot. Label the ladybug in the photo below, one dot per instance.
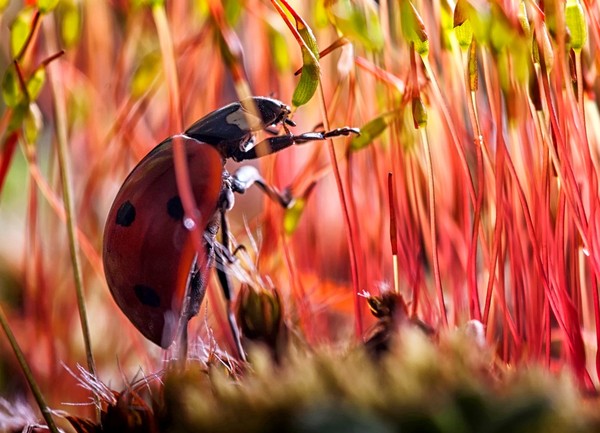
(152, 269)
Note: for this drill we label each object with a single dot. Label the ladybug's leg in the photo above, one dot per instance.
(224, 205)
(275, 144)
(246, 176)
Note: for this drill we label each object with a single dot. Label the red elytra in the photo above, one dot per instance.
(147, 252)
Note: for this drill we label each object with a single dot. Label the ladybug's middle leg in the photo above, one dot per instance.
(225, 204)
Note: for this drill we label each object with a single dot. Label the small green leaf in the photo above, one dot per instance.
(12, 93)
(32, 123)
(575, 19)
(20, 29)
(369, 132)
(309, 80)
(311, 70)
(46, 6)
(70, 29)
(419, 113)
(291, 217)
(36, 83)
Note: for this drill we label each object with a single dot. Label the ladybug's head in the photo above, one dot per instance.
(272, 111)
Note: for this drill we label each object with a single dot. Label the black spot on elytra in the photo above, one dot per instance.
(126, 214)
(147, 295)
(175, 208)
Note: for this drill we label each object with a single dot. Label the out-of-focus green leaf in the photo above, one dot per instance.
(320, 17)
(446, 24)
(291, 217)
(502, 33)
(576, 23)
(70, 28)
(413, 28)
(18, 114)
(12, 93)
(279, 48)
(20, 29)
(32, 123)
(359, 23)
(233, 11)
(145, 74)
(46, 6)
(3, 4)
(36, 83)
(464, 34)
(369, 132)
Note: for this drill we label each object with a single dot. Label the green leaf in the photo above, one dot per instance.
(358, 22)
(70, 29)
(46, 6)
(369, 132)
(20, 29)
(291, 217)
(311, 70)
(575, 19)
(12, 93)
(36, 83)
(309, 80)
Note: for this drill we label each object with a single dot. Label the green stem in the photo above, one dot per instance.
(35, 389)
(60, 122)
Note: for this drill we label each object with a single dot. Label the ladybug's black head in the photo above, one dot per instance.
(272, 111)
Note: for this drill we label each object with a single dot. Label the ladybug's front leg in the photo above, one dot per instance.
(280, 142)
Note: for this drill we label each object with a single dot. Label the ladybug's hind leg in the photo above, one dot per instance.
(196, 289)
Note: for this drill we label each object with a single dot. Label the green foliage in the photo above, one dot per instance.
(370, 131)
(47, 6)
(12, 93)
(70, 23)
(20, 30)
(576, 24)
(358, 22)
(414, 388)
